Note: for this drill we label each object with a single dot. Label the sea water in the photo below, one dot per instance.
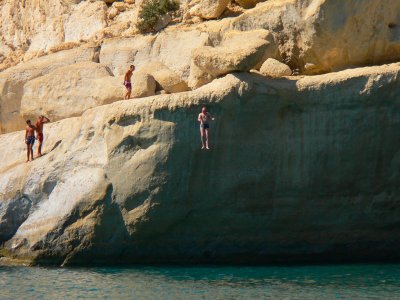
(172, 282)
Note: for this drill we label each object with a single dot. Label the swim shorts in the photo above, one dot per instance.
(30, 140)
(205, 126)
(39, 136)
(128, 85)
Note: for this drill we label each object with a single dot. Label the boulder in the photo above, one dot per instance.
(128, 182)
(69, 91)
(232, 54)
(112, 12)
(198, 77)
(274, 68)
(120, 6)
(143, 85)
(167, 79)
(13, 80)
(208, 9)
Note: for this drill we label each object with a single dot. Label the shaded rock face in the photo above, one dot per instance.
(310, 172)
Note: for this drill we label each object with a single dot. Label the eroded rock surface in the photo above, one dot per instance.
(69, 91)
(238, 51)
(12, 82)
(127, 182)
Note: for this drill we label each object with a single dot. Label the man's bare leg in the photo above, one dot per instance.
(28, 152)
(39, 152)
(202, 137)
(31, 148)
(206, 130)
(128, 94)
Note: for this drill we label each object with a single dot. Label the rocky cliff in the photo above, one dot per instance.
(302, 168)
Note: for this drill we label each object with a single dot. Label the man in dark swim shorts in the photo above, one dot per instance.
(127, 82)
(29, 140)
(204, 118)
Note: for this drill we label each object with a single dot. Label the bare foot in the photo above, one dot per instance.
(27, 160)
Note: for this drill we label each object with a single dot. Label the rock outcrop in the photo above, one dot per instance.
(300, 168)
(69, 91)
(12, 81)
(127, 182)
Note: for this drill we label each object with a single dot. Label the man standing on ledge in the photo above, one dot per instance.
(204, 118)
(39, 129)
(29, 139)
(127, 82)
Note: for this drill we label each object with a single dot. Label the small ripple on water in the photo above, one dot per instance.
(309, 282)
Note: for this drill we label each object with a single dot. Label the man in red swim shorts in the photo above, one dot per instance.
(127, 82)
(39, 132)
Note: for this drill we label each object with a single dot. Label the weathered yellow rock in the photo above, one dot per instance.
(85, 20)
(69, 91)
(247, 3)
(120, 6)
(165, 77)
(208, 9)
(143, 85)
(233, 54)
(13, 80)
(274, 68)
(328, 34)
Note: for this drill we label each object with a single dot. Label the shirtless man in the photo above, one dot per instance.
(39, 129)
(204, 118)
(127, 82)
(29, 139)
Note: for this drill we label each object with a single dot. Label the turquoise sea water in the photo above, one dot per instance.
(297, 282)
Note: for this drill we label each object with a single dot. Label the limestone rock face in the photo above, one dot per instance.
(127, 182)
(233, 54)
(274, 68)
(208, 9)
(85, 20)
(12, 82)
(327, 35)
(69, 91)
(143, 85)
(172, 48)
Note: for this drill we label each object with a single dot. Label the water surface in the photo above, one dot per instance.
(297, 282)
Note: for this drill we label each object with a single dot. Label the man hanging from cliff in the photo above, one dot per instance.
(29, 140)
(204, 118)
(39, 129)
(127, 82)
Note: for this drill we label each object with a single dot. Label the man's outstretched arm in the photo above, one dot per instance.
(46, 119)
